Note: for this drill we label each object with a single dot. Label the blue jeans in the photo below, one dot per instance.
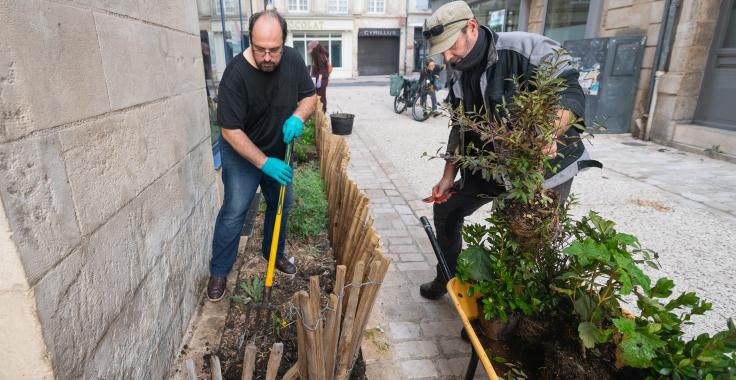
(241, 179)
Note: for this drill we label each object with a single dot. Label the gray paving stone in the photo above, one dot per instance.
(398, 224)
(400, 240)
(452, 346)
(393, 193)
(394, 233)
(439, 310)
(383, 370)
(416, 349)
(404, 312)
(450, 328)
(420, 277)
(418, 369)
(411, 248)
(395, 279)
(397, 200)
(411, 257)
(417, 266)
(403, 209)
(404, 330)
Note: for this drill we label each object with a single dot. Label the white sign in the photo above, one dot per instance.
(497, 20)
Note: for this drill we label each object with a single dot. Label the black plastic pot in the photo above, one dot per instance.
(342, 123)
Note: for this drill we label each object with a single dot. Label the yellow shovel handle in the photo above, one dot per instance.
(277, 227)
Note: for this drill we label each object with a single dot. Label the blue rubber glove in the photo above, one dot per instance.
(278, 170)
(319, 83)
(292, 128)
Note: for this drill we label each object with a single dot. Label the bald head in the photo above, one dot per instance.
(267, 36)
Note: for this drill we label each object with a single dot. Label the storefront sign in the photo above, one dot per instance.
(306, 24)
(379, 32)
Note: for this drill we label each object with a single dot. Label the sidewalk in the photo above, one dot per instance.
(408, 337)
(679, 204)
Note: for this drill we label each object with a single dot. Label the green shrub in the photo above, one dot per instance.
(308, 215)
(306, 143)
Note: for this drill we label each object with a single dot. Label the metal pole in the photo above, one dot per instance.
(242, 40)
(224, 35)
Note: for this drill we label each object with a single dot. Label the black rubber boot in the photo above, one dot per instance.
(433, 290)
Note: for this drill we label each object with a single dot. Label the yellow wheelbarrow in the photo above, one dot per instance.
(467, 308)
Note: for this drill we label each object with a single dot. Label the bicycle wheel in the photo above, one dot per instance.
(400, 102)
(420, 110)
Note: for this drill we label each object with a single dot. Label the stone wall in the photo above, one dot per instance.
(679, 88)
(107, 185)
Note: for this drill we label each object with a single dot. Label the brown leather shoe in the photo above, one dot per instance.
(285, 266)
(216, 288)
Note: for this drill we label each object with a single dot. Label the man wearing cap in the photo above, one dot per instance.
(480, 62)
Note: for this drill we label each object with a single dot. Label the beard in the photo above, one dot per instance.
(267, 66)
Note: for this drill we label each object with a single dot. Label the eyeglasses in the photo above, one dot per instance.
(261, 52)
(439, 29)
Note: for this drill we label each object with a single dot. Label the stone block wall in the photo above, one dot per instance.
(679, 88)
(108, 193)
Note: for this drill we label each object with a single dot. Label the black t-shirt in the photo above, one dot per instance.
(259, 102)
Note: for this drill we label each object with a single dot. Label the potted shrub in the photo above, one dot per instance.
(564, 282)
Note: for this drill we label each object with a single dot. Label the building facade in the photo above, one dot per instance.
(686, 67)
(363, 37)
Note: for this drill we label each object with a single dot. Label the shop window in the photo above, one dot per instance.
(298, 5)
(376, 6)
(730, 41)
(423, 5)
(337, 6)
(332, 42)
(231, 7)
(566, 20)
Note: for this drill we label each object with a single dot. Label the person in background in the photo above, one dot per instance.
(432, 72)
(321, 69)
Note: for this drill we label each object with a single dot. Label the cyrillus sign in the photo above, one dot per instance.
(379, 32)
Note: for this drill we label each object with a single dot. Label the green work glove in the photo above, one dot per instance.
(292, 128)
(278, 170)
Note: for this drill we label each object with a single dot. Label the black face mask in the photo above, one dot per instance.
(476, 54)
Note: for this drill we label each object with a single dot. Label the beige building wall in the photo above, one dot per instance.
(107, 185)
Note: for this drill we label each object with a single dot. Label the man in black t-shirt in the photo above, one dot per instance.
(264, 97)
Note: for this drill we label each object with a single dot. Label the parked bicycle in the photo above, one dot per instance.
(412, 93)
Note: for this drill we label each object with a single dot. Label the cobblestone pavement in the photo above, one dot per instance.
(682, 205)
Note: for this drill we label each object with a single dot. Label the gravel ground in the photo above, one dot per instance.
(679, 204)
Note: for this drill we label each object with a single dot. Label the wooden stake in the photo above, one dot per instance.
(367, 300)
(331, 332)
(191, 371)
(313, 369)
(215, 370)
(292, 373)
(249, 362)
(301, 342)
(346, 335)
(314, 301)
(274, 361)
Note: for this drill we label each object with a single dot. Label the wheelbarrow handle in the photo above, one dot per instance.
(444, 269)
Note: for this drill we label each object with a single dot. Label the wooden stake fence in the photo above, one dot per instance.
(329, 336)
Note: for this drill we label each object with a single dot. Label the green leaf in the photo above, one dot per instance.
(625, 325)
(476, 263)
(590, 334)
(639, 349)
(584, 306)
(663, 288)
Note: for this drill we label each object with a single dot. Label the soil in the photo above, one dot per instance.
(312, 258)
(547, 347)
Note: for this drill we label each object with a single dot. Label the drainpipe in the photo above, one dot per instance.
(406, 34)
(662, 55)
(653, 107)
